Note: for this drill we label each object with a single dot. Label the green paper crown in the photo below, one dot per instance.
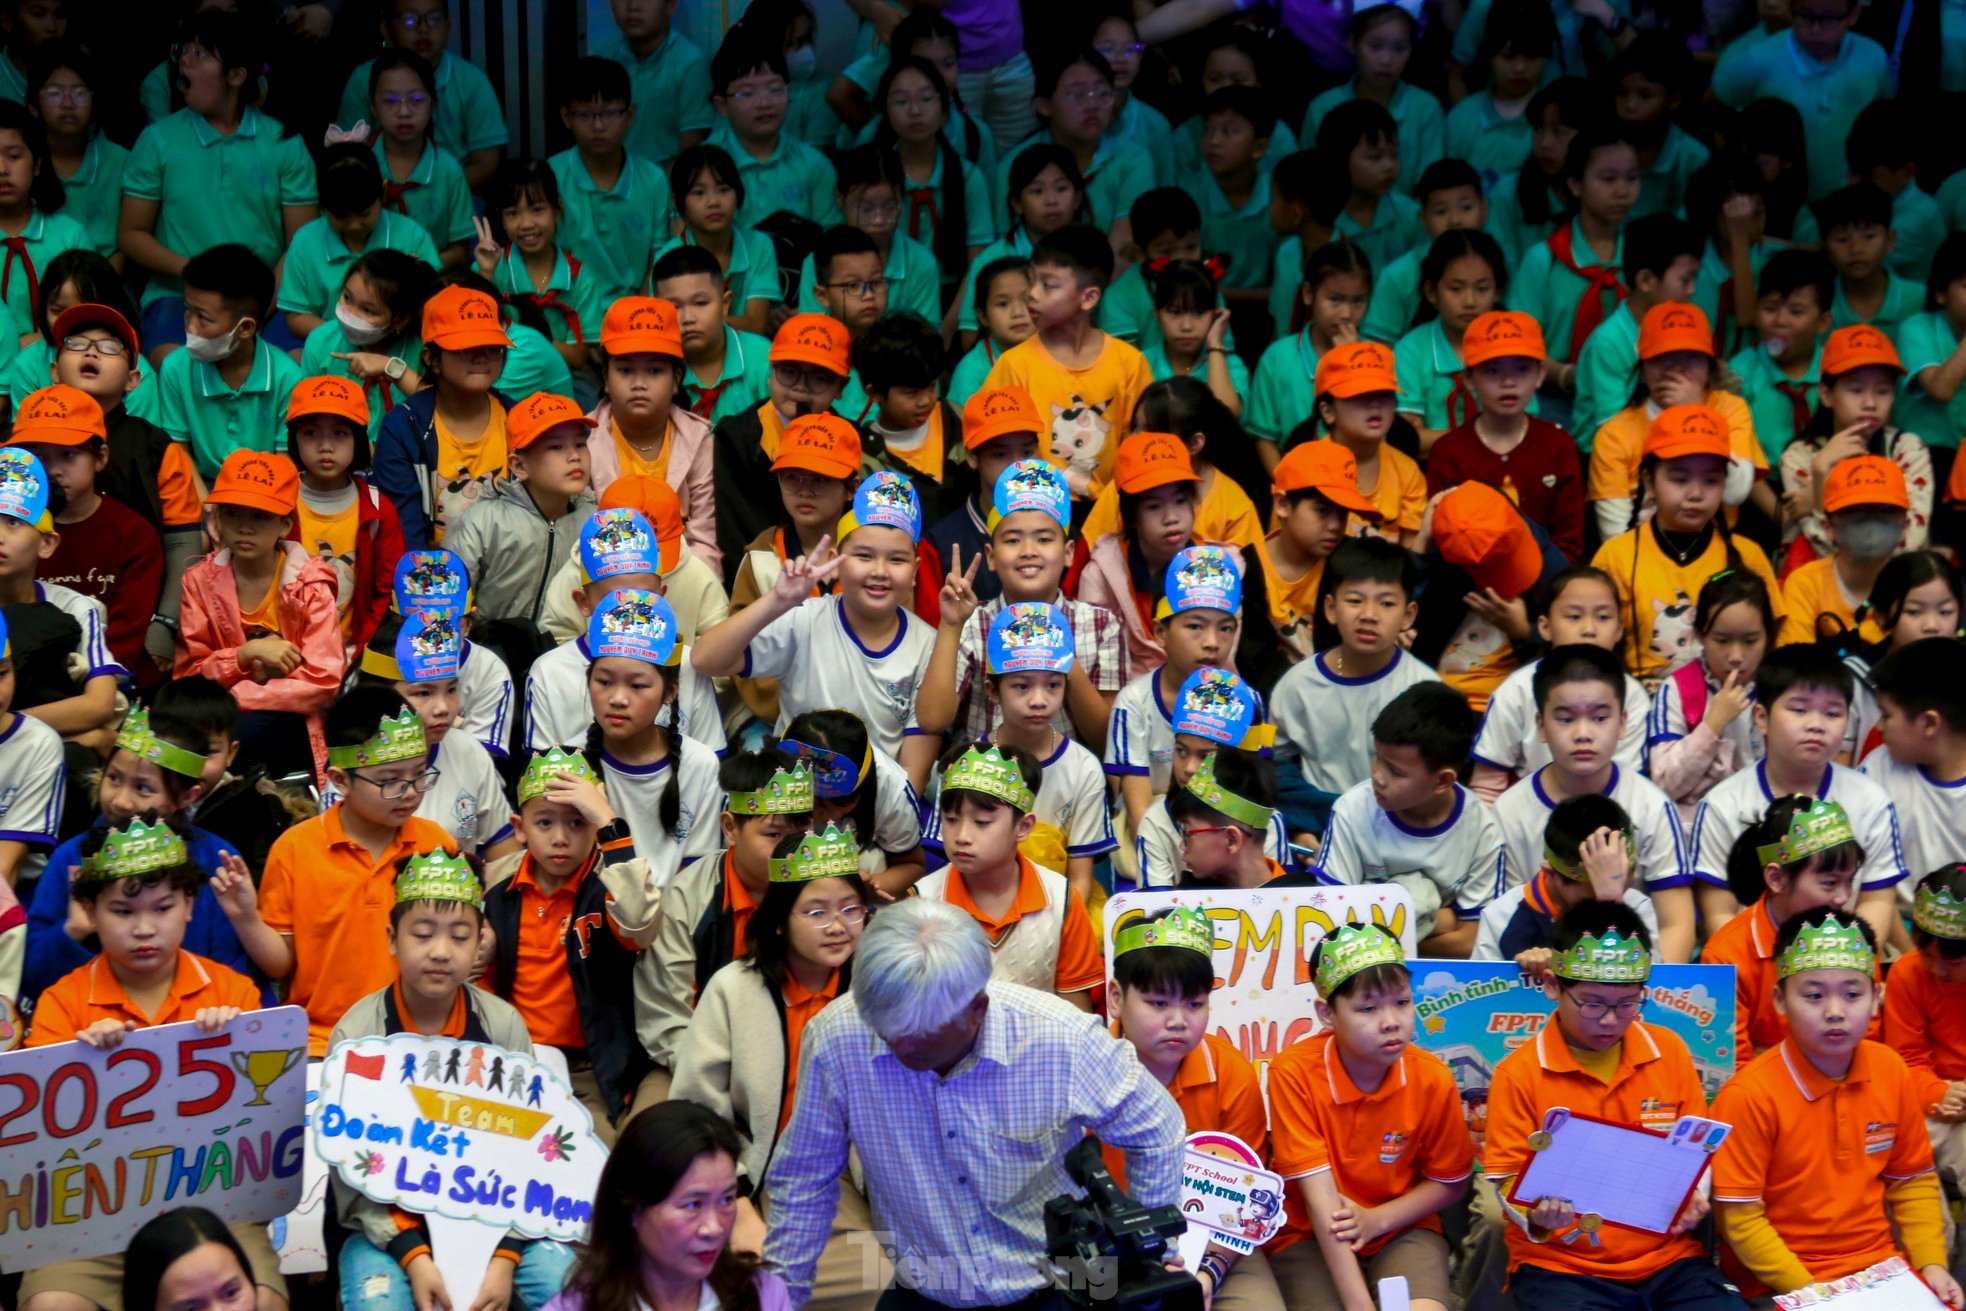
(439, 876)
(400, 738)
(1935, 911)
(1574, 869)
(994, 775)
(138, 849)
(1353, 949)
(1180, 927)
(136, 738)
(1832, 945)
(1822, 826)
(830, 855)
(1204, 788)
(788, 793)
(543, 768)
(1609, 959)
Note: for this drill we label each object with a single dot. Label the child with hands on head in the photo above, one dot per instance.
(1590, 853)
(1699, 731)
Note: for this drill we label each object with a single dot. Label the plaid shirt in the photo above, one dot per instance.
(1099, 641)
(959, 1168)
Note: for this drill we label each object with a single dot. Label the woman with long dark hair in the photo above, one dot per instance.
(187, 1257)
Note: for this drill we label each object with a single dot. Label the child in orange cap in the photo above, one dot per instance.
(1000, 427)
(1357, 400)
(1316, 491)
(260, 614)
(1868, 508)
(1531, 461)
(444, 448)
(1186, 407)
(810, 364)
(103, 548)
(1676, 366)
(1660, 565)
(639, 428)
(1861, 374)
(1486, 560)
(339, 516)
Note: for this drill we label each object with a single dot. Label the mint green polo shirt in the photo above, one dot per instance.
(95, 193)
(468, 116)
(1662, 188)
(1951, 200)
(13, 82)
(1282, 394)
(854, 404)
(1286, 276)
(971, 373)
(746, 377)
(1737, 326)
(317, 357)
(1187, 146)
(1396, 298)
(196, 406)
(914, 281)
(979, 213)
(1422, 125)
(1425, 364)
(318, 261)
(1902, 299)
(1916, 221)
(613, 233)
(1396, 229)
(532, 365)
(753, 270)
(1828, 96)
(1239, 234)
(671, 91)
(213, 188)
(1119, 173)
(1546, 289)
(566, 299)
(1774, 413)
(46, 235)
(30, 371)
(155, 93)
(1505, 222)
(1158, 365)
(1496, 146)
(435, 194)
(1015, 244)
(1925, 340)
(795, 177)
(1606, 369)
(1140, 124)
(1573, 35)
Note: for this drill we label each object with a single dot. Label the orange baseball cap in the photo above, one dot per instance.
(1357, 369)
(58, 416)
(258, 480)
(1853, 348)
(531, 417)
(1674, 326)
(1502, 335)
(1688, 430)
(328, 394)
(641, 325)
(997, 411)
(1327, 469)
(1864, 480)
(1477, 529)
(812, 339)
(655, 500)
(1148, 460)
(824, 444)
(458, 318)
(89, 315)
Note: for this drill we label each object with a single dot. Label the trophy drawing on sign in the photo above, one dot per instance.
(263, 1069)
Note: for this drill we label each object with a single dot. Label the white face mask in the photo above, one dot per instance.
(358, 330)
(211, 350)
(800, 63)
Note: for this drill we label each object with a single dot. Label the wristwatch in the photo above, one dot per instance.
(613, 832)
(395, 369)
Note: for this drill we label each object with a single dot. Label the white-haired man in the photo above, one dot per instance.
(962, 1097)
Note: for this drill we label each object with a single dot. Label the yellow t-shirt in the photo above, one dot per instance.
(1085, 411)
(1400, 492)
(1476, 660)
(1293, 603)
(926, 456)
(1226, 514)
(332, 538)
(465, 472)
(263, 620)
(631, 461)
(1615, 451)
(1818, 607)
(1657, 595)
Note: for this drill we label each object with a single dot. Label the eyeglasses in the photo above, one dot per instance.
(414, 100)
(1101, 95)
(813, 380)
(429, 22)
(67, 95)
(863, 289)
(820, 916)
(597, 116)
(777, 92)
(109, 347)
(1596, 1010)
(1200, 829)
(1109, 53)
(398, 788)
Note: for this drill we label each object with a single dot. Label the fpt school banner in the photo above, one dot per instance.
(94, 1143)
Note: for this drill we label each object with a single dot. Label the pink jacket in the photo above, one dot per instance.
(1105, 581)
(688, 473)
(213, 631)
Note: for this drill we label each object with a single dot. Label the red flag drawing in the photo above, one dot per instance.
(364, 1067)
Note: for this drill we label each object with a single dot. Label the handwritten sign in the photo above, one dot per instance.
(1890, 1285)
(94, 1143)
(1264, 998)
(1228, 1195)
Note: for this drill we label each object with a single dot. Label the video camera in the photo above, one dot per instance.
(1107, 1250)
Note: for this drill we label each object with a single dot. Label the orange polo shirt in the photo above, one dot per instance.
(1653, 1085)
(800, 1008)
(1818, 1152)
(1218, 1091)
(1747, 942)
(92, 992)
(542, 986)
(1925, 1022)
(740, 903)
(1080, 964)
(1377, 1145)
(325, 892)
(453, 1023)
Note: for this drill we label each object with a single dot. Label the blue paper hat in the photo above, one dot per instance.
(833, 775)
(1202, 578)
(1217, 705)
(431, 580)
(24, 488)
(616, 542)
(1031, 485)
(1031, 636)
(430, 646)
(634, 625)
(6, 640)
(886, 500)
